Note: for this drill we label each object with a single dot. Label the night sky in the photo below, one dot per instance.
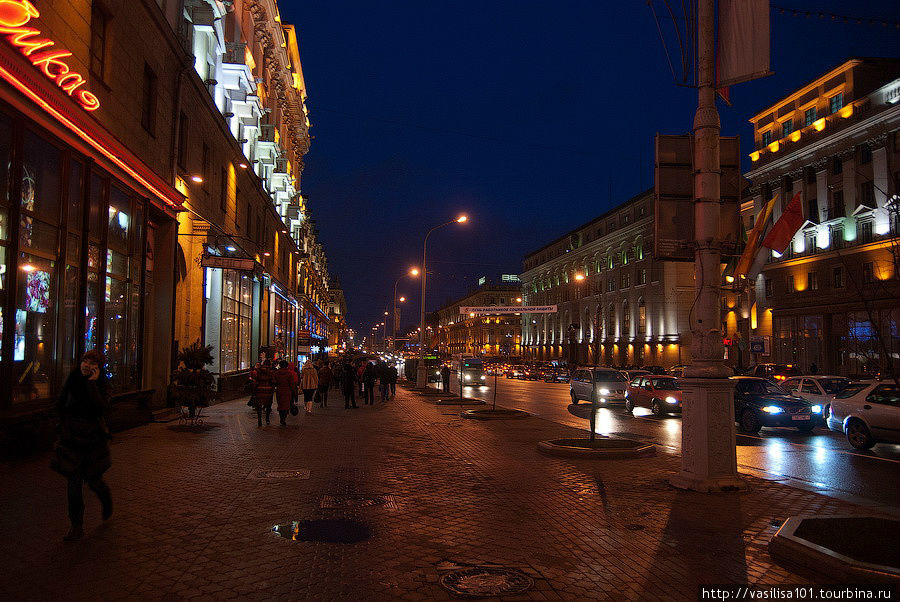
(530, 117)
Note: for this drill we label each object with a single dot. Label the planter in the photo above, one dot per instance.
(499, 414)
(598, 449)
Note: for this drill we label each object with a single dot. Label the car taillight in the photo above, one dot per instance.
(780, 377)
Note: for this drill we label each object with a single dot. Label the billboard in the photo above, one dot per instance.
(673, 214)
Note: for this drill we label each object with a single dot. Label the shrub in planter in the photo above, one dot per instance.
(192, 384)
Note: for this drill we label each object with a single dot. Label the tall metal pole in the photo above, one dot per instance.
(708, 460)
(421, 377)
(394, 315)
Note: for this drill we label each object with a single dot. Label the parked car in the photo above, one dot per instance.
(759, 402)
(658, 370)
(774, 372)
(556, 375)
(816, 389)
(867, 413)
(632, 373)
(662, 394)
(608, 383)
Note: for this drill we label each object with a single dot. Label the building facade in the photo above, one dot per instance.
(337, 315)
(833, 298)
(150, 177)
(452, 333)
(617, 304)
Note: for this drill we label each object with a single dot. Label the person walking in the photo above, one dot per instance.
(325, 378)
(309, 382)
(445, 378)
(263, 386)
(285, 389)
(393, 375)
(369, 383)
(383, 373)
(82, 451)
(348, 386)
(360, 368)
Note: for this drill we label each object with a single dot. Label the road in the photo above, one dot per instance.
(823, 460)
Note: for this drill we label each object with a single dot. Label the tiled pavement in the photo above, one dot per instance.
(192, 518)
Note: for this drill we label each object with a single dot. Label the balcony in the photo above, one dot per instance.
(235, 53)
(266, 133)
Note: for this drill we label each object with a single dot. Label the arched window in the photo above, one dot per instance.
(642, 317)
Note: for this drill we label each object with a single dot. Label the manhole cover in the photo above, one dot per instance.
(329, 530)
(302, 473)
(357, 501)
(479, 582)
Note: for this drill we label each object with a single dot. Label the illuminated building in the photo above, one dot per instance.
(338, 331)
(832, 298)
(618, 305)
(480, 336)
(153, 177)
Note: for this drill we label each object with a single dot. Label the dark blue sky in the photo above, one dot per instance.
(530, 117)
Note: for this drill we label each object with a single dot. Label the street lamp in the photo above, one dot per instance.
(421, 378)
(413, 272)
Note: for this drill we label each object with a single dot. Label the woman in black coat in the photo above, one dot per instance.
(82, 452)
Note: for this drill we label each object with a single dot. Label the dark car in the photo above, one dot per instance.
(759, 402)
(774, 372)
(657, 370)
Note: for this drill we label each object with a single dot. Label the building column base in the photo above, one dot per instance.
(708, 447)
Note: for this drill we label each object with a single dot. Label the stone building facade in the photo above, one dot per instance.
(833, 298)
(617, 304)
(452, 333)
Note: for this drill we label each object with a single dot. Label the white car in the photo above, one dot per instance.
(817, 389)
(867, 412)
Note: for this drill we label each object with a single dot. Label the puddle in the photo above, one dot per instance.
(327, 530)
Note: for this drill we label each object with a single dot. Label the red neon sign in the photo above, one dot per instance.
(14, 14)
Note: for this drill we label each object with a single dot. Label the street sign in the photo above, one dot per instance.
(509, 309)
(228, 263)
(759, 344)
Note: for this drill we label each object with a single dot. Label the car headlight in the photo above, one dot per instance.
(671, 399)
(604, 391)
(772, 410)
(482, 377)
(816, 409)
(468, 377)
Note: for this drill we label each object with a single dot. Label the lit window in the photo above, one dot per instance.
(787, 127)
(836, 103)
(810, 116)
(767, 138)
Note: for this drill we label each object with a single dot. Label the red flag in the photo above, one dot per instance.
(783, 231)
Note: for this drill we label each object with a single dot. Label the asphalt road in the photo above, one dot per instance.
(822, 460)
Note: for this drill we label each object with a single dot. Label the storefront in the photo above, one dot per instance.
(284, 342)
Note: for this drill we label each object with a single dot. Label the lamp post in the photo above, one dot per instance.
(421, 377)
(412, 272)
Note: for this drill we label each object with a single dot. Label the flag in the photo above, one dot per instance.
(760, 228)
(779, 237)
(744, 43)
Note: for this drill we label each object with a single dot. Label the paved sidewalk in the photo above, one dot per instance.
(193, 518)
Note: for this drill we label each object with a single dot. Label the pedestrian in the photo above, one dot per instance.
(263, 387)
(285, 389)
(445, 378)
(383, 374)
(360, 368)
(394, 374)
(337, 376)
(82, 451)
(348, 386)
(369, 383)
(309, 382)
(325, 378)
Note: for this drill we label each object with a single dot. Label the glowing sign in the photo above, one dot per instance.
(14, 14)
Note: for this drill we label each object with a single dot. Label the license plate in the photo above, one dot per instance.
(804, 417)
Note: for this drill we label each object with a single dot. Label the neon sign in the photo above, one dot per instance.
(14, 15)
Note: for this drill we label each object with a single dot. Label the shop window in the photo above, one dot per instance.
(236, 320)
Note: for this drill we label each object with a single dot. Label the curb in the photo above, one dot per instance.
(609, 449)
(459, 402)
(500, 414)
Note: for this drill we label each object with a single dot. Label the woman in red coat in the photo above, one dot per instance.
(285, 389)
(262, 382)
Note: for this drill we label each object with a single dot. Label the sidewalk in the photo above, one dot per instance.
(194, 512)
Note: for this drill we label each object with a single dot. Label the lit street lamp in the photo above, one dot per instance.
(421, 378)
(413, 272)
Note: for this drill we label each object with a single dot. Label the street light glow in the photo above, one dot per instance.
(414, 272)
(462, 218)
(579, 277)
(402, 299)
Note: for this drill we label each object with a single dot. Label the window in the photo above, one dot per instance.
(865, 154)
(787, 127)
(626, 219)
(812, 281)
(812, 210)
(837, 205)
(626, 279)
(809, 116)
(790, 283)
(837, 277)
(837, 238)
(836, 103)
(148, 100)
(642, 317)
(639, 251)
(626, 320)
(610, 284)
(99, 27)
(642, 276)
(867, 194)
(237, 304)
(810, 242)
(767, 138)
(624, 256)
(864, 231)
(181, 155)
(837, 166)
(868, 272)
(642, 211)
(770, 287)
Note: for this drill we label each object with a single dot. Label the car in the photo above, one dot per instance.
(658, 370)
(758, 402)
(817, 389)
(556, 375)
(867, 413)
(515, 371)
(677, 371)
(662, 394)
(774, 372)
(630, 374)
(607, 383)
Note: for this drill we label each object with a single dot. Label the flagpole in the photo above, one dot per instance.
(708, 448)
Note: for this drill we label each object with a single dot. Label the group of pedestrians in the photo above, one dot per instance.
(362, 378)
(282, 381)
